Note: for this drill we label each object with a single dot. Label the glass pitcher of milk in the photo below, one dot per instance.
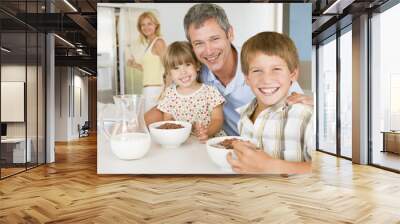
(124, 125)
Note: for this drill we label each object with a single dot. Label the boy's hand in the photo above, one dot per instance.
(250, 159)
(200, 131)
(300, 98)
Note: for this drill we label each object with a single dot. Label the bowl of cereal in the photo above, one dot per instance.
(219, 147)
(170, 134)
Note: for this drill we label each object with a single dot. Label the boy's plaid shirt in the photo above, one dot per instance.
(284, 132)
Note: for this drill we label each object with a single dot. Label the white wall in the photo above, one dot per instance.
(68, 81)
(246, 19)
(14, 72)
(79, 117)
(62, 81)
(82, 82)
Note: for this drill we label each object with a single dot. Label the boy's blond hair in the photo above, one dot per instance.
(153, 19)
(272, 44)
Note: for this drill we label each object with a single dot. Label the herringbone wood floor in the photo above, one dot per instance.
(70, 191)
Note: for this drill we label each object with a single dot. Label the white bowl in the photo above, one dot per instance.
(170, 138)
(218, 155)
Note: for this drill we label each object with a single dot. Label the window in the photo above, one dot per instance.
(327, 96)
(346, 92)
(385, 89)
(394, 119)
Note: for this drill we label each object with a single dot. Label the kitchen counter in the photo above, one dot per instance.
(189, 158)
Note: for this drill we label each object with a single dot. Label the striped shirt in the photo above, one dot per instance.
(284, 132)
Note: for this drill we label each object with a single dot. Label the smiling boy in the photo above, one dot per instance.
(270, 63)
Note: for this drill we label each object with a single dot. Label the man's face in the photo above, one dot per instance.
(269, 78)
(211, 44)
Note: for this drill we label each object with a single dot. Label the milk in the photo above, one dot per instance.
(130, 145)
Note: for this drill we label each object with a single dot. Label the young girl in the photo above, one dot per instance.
(187, 99)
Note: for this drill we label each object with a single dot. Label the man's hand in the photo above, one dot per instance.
(300, 98)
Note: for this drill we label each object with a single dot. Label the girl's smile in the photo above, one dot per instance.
(185, 77)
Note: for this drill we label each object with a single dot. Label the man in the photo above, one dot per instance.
(208, 30)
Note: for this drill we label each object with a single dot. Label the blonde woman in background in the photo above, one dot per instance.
(150, 64)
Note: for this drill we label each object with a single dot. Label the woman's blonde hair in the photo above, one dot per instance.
(153, 19)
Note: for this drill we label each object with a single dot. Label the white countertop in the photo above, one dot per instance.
(189, 158)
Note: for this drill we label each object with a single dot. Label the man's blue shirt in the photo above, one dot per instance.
(236, 94)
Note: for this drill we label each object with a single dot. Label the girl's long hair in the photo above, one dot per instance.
(178, 53)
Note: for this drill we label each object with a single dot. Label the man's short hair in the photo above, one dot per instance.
(272, 44)
(199, 13)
